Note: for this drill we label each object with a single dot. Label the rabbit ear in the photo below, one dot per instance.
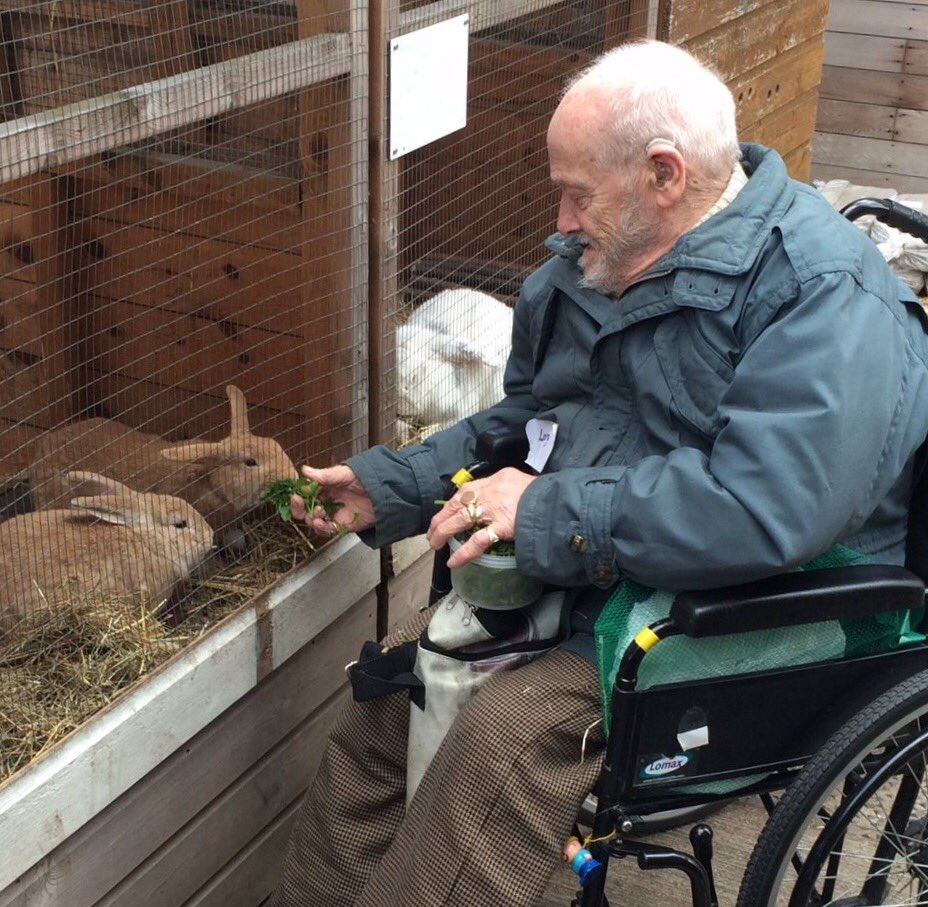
(191, 451)
(106, 508)
(461, 352)
(86, 484)
(239, 411)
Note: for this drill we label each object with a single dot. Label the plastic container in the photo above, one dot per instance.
(493, 581)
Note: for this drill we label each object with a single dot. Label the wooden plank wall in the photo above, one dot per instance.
(769, 52)
(220, 254)
(209, 825)
(872, 126)
(36, 361)
(480, 201)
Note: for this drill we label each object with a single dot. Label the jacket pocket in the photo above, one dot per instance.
(696, 374)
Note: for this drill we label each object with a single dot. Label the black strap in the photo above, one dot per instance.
(377, 673)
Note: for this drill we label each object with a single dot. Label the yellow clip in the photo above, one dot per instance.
(647, 639)
(461, 477)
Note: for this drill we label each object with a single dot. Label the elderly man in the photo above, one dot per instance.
(738, 383)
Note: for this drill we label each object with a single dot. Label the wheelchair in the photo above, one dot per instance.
(844, 743)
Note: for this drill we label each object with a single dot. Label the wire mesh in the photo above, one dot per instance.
(181, 310)
(185, 297)
(473, 209)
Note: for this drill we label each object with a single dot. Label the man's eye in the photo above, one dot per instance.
(582, 201)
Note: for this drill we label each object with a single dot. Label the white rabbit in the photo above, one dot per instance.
(112, 541)
(451, 355)
(222, 479)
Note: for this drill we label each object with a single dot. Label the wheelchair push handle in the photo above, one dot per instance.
(892, 213)
(502, 447)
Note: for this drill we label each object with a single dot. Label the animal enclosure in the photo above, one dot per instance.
(180, 258)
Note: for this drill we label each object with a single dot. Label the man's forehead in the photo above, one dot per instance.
(577, 130)
(573, 162)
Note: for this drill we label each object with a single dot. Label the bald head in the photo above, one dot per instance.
(650, 90)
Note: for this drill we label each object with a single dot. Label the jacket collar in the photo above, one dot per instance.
(729, 241)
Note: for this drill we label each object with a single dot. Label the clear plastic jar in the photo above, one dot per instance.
(493, 581)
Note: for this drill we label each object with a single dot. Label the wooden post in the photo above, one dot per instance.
(384, 223)
(327, 199)
(359, 30)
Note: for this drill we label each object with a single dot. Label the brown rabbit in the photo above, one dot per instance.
(111, 541)
(222, 479)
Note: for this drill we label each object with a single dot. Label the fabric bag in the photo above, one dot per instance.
(459, 651)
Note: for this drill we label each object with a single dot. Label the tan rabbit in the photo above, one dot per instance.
(111, 541)
(222, 479)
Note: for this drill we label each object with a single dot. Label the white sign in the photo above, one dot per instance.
(428, 84)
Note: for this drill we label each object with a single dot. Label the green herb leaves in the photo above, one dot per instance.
(280, 492)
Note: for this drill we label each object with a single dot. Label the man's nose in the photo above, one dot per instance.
(567, 217)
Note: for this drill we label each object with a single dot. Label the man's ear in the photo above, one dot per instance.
(666, 174)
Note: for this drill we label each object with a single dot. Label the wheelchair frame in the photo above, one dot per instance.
(824, 695)
(856, 723)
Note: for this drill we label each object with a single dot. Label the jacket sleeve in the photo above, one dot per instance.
(825, 409)
(404, 484)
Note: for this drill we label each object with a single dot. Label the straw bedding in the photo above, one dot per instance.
(65, 665)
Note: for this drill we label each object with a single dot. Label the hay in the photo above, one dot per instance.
(63, 666)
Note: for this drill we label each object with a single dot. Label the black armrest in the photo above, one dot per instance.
(803, 597)
(501, 447)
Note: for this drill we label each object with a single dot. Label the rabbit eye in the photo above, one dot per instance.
(251, 461)
(180, 524)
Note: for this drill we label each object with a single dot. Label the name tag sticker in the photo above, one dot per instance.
(541, 434)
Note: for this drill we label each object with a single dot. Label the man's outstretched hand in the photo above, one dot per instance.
(340, 484)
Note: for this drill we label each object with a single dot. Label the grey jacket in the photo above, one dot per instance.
(755, 398)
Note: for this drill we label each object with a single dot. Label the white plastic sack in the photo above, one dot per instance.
(906, 255)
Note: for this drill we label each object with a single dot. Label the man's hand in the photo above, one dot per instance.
(494, 500)
(341, 484)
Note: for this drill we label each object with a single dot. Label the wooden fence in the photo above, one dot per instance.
(872, 126)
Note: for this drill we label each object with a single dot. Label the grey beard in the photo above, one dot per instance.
(620, 253)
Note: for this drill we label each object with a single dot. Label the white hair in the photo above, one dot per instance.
(657, 91)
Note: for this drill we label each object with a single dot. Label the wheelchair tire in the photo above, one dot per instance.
(835, 817)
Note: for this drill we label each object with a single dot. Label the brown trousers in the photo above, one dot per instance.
(487, 823)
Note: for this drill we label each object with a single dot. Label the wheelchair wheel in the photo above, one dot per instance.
(851, 829)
